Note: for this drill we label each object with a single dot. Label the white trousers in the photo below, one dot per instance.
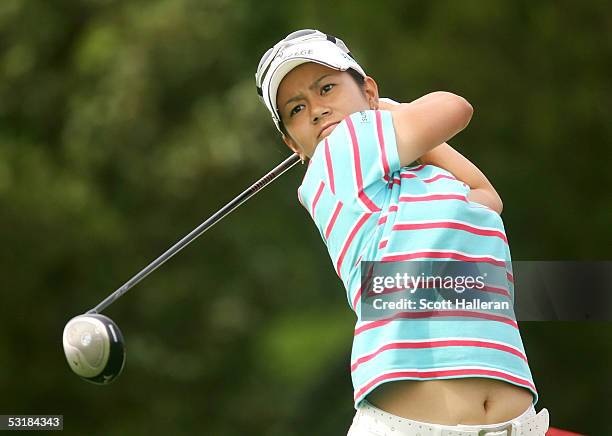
(372, 421)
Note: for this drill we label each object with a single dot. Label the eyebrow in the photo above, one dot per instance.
(314, 85)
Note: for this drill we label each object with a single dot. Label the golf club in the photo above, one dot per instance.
(93, 344)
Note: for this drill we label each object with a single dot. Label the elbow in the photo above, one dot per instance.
(459, 109)
(464, 111)
(468, 109)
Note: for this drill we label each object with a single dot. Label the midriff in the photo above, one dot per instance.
(469, 401)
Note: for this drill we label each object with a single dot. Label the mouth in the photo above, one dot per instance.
(327, 129)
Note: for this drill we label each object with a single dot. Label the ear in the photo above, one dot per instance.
(293, 146)
(371, 92)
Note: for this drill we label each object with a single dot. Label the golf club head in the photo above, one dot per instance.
(94, 348)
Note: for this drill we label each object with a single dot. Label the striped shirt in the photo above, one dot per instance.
(367, 207)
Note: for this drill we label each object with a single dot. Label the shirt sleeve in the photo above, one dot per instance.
(359, 157)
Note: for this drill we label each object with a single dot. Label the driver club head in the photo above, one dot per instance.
(94, 348)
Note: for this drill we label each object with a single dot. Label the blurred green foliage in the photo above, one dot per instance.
(124, 124)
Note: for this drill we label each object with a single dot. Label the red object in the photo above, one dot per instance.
(552, 431)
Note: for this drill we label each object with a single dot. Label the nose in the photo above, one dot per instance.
(319, 110)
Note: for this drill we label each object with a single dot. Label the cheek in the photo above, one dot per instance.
(299, 132)
(296, 137)
(362, 101)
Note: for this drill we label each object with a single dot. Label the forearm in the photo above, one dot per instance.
(445, 156)
(482, 191)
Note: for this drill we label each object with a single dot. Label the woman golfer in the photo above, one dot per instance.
(383, 185)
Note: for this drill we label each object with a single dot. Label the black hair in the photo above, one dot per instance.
(357, 77)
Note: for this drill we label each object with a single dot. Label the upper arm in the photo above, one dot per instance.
(421, 127)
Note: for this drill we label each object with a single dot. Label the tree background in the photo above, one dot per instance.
(124, 124)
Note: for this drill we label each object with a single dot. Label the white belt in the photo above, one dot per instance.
(380, 423)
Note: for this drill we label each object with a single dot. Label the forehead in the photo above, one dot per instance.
(307, 70)
(300, 78)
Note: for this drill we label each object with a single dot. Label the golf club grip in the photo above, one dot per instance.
(215, 218)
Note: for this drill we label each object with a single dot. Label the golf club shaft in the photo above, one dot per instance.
(223, 212)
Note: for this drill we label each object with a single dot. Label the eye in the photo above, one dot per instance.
(326, 88)
(295, 110)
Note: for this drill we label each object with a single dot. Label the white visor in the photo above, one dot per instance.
(321, 51)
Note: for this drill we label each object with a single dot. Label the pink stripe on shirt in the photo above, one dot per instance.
(431, 197)
(316, 199)
(348, 241)
(357, 163)
(330, 168)
(417, 168)
(496, 290)
(367, 283)
(332, 221)
(434, 314)
(438, 177)
(417, 344)
(381, 143)
(452, 225)
(441, 254)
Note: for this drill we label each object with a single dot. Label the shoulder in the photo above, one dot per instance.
(361, 130)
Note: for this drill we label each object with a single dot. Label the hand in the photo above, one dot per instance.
(486, 197)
